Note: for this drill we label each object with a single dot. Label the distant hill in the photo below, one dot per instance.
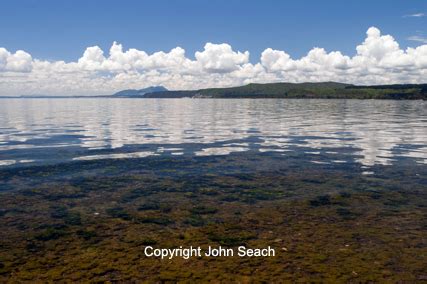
(324, 90)
(141, 92)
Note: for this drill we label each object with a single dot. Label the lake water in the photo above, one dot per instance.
(38, 131)
(336, 187)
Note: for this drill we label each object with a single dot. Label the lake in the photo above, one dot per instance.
(38, 131)
(336, 187)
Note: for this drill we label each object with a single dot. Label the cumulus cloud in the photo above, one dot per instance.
(20, 61)
(378, 59)
(276, 60)
(93, 59)
(221, 58)
(376, 46)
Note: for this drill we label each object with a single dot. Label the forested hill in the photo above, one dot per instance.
(326, 90)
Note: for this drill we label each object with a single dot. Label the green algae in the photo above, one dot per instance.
(86, 234)
(149, 206)
(202, 210)
(195, 220)
(326, 225)
(320, 201)
(50, 234)
(229, 240)
(119, 212)
(156, 220)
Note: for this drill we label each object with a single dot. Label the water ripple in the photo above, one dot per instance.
(378, 132)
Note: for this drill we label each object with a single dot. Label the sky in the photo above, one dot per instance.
(98, 47)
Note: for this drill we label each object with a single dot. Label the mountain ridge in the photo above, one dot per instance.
(324, 90)
(140, 92)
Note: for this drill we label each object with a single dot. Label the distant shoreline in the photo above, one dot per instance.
(231, 98)
(324, 90)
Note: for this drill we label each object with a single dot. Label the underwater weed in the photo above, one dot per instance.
(148, 242)
(195, 221)
(346, 214)
(156, 220)
(230, 239)
(85, 234)
(320, 200)
(203, 210)
(119, 212)
(73, 219)
(50, 234)
(345, 194)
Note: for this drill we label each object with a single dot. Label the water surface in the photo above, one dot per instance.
(337, 187)
(38, 131)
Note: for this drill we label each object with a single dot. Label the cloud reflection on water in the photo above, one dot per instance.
(377, 131)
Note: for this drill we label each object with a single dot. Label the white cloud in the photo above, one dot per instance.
(93, 59)
(418, 38)
(276, 60)
(220, 58)
(20, 61)
(416, 15)
(378, 60)
(376, 46)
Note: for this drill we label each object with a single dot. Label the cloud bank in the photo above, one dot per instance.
(378, 60)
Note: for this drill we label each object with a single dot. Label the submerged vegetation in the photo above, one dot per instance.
(326, 223)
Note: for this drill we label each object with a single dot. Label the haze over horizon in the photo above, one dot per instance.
(314, 48)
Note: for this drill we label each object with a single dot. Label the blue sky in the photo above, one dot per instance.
(75, 47)
(61, 30)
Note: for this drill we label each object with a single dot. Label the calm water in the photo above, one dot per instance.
(337, 187)
(37, 131)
